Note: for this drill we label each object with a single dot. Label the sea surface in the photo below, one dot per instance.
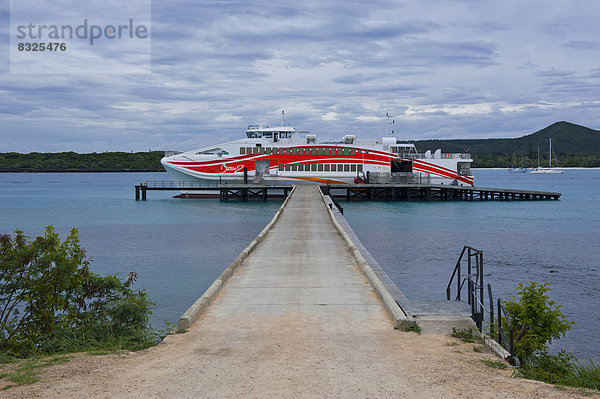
(418, 244)
(179, 246)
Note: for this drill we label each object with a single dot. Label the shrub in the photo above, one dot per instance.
(536, 320)
(50, 300)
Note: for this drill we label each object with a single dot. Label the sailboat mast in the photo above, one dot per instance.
(550, 154)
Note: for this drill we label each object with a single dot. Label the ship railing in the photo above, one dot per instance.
(458, 155)
(180, 184)
(190, 184)
(171, 153)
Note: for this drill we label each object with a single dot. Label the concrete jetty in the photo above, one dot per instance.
(299, 314)
(301, 265)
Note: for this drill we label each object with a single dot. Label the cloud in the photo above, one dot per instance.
(444, 68)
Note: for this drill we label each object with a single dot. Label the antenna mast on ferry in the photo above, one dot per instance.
(282, 118)
(387, 125)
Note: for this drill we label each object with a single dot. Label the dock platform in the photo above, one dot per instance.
(350, 192)
(225, 192)
(426, 192)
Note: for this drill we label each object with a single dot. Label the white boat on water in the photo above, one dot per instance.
(283, 155)
(549, 169)
(518, 170)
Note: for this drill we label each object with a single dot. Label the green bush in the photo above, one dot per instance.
(536, 320)
(50, 300)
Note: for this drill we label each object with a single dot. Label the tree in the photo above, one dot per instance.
(47, 291)
(536, 319)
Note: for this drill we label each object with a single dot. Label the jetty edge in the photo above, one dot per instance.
(190, 315)
(401, 319)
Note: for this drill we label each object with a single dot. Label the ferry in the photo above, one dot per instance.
(282, 155)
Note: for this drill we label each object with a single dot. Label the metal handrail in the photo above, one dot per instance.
(475, 298)
(474, 282)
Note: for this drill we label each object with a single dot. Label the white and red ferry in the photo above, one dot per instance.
(282, 155)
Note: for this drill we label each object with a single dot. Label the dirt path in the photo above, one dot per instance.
(293, 356)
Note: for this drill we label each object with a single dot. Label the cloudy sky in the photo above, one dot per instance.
(444, 68)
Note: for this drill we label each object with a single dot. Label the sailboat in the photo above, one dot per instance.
(549, 169)
(519, 169)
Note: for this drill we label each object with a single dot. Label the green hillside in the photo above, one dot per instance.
(73, 162)
(574, 145)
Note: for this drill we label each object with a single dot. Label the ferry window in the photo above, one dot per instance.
(326, 167)
(300, 168)
(358, 151)
(287, 167)
(352, 151)
(313, 167)
(268, 150)
(366, 151)
(268, 135)
(262, 150)
(353, 168)
(294, 167)
(281, 167)
(255, 150)
(248, 150)
(288, 151)
(360, 168)
(346, 151)
(242, 150)
(294, 151)
(320, 167)
(346, 168)
(320, 151)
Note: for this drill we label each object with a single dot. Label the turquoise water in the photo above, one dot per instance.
(178, 247)
(418, 243)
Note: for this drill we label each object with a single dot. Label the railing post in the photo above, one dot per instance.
(480, 258)
(491, 298)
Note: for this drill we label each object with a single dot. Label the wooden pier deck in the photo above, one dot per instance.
(426, 192)
(351, 192)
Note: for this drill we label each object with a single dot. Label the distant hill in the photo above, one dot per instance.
(74, 162)
(567, 139)
(574, 145)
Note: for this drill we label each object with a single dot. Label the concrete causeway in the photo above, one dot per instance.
(293, 317)
(302, 265)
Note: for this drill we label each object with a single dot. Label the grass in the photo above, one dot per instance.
(451, 343)
(464, 335)
(409, 328)
(26, 373)
(562, 369)
(495, 364)
(477, 349)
